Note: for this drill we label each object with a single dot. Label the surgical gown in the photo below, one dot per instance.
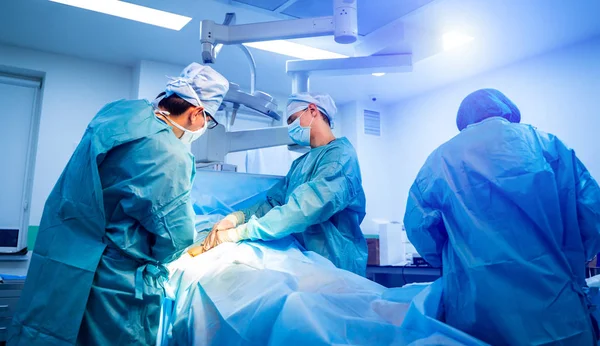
(119, 210)
(512, 215)
(322, 203)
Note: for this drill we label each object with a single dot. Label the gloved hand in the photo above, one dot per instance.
(224, 225)
(198, 248)
(217, 237)
(195, 249)
(223, 231)
(230, 221)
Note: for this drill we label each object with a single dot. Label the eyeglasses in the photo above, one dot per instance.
(212, 123)
(293, 118)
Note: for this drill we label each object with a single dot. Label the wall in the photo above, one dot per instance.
(151, 78)
(73, 91)
(375, 167)
(557, 92)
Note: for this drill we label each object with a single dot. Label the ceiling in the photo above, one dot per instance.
(373, 14)
(505, 31)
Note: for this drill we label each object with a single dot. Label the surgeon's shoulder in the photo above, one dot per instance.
(167, 149)
(123, 106)
(341, 150)
(341, 157)
(551, 145)
(120, 114)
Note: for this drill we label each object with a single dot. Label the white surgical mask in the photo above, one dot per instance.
(299, 134)
(189, 136)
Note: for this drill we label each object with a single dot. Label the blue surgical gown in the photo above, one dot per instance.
(322, 203)
(512, 215)
(120, 209)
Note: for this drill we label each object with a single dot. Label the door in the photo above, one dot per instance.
(18, 140)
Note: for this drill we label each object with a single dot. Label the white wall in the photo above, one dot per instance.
(557, 92)
(73, 91)
(374, 163)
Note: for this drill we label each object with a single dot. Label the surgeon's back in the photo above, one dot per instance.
(512, 215)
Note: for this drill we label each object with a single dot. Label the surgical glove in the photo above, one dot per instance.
(224, 224)
(217, 237)
(206, 244)
(196, 249)
(231, 221)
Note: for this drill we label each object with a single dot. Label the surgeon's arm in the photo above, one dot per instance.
(157, 194)
(311, 203)
(275, 197)
(173, 228)
(424, 227)
(588, 209)
(587, 193)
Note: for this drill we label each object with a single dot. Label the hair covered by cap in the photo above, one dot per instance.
(324, 102)
(483, 104)
(200, 85)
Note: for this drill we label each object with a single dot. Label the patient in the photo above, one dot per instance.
(261, 293)
(273, 293)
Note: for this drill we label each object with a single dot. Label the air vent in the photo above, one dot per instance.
(372, 123)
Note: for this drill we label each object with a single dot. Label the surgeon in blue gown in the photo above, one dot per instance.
(321, 201)
(512, 216)
(119, 211)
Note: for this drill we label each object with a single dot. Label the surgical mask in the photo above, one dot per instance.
(189, 136)
(300, 135)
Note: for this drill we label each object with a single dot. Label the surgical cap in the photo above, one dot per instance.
(200, 85)
(483, 104)
(299, 102)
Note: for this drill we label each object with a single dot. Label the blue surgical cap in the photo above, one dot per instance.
(483, 104)
(300, 101)
(200, 85)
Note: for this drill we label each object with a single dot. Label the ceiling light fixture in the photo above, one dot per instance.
(455, 39)
(131, 11)
(295, 50)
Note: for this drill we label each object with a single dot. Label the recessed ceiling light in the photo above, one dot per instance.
(295, 50)
(378, 74)
(131, 11)
(454, 39)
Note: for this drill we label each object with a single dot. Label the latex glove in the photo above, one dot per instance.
(198, 248)
(224, 224)
(195, 250)
(217, 237)
(230, 221)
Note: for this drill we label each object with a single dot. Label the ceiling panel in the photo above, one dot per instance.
(503, 34)
(310, 8)
(372, 14)
(270, 5)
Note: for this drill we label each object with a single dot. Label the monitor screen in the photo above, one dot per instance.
(9, 237)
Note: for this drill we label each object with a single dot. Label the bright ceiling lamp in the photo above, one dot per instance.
(455, 39)
(294, 49)
(131, 11)
(378, 74)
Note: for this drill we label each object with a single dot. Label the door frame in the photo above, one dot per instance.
(35, 81)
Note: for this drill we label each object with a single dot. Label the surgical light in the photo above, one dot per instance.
(378, 74)
(455, 39)
(295, 50)
(131, 11)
